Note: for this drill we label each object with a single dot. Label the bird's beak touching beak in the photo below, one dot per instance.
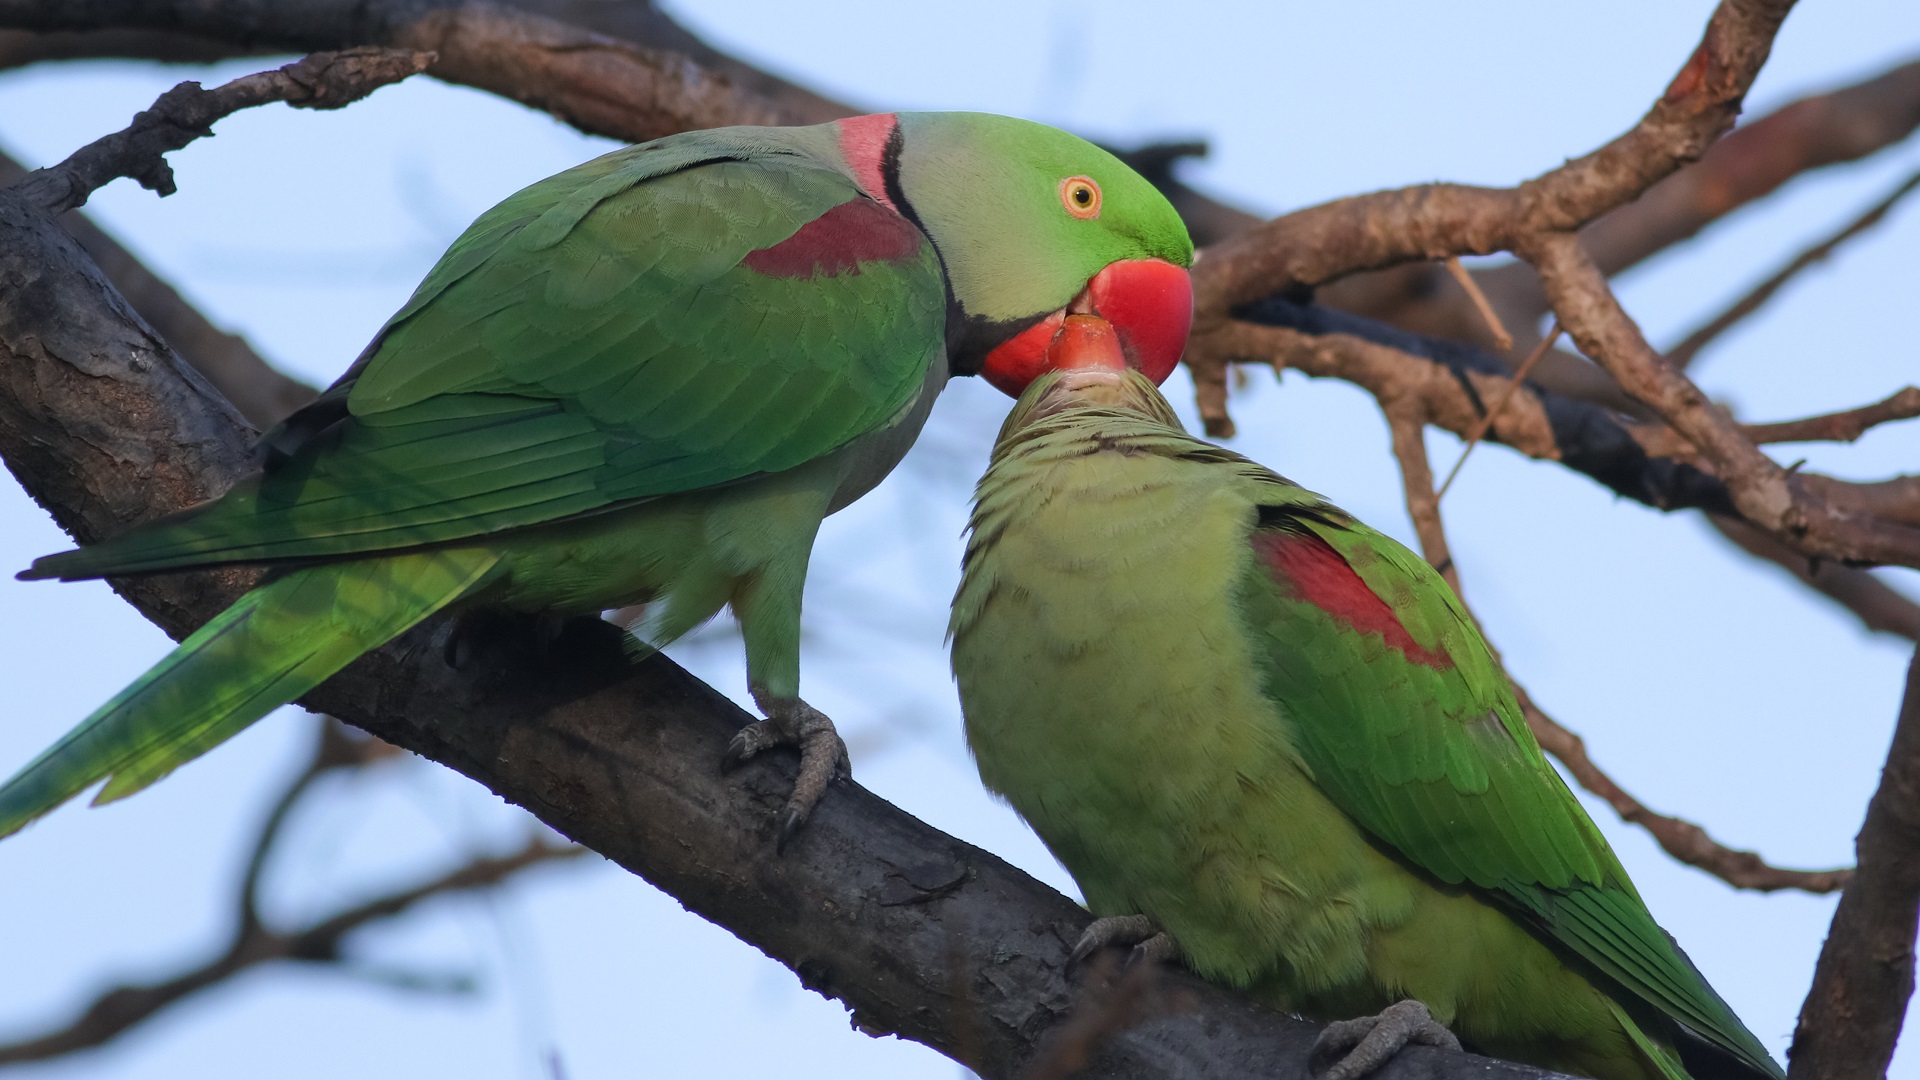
(1148, 301)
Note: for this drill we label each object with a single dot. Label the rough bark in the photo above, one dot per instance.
(1864, 978)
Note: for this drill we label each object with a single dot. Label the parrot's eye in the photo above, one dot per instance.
(1081, 196)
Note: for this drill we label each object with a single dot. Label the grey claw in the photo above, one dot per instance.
(1365, 1044)
(736, 755)
(1156, 950)
(1122, 930)
(790, 824)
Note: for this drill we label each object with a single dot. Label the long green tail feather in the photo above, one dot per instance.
(273, 645)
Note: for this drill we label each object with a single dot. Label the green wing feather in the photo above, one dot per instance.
(590, 343)
(1436, 760)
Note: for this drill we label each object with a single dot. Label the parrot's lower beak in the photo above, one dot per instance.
(1149, 303)
(1092, 366)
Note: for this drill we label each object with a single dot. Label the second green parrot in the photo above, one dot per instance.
(1269, 739)
(642, 381)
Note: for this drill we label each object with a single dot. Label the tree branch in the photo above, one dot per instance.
(1765, 494)
(187, 112)
(1454, 383)
(1682, 355)
(1864, 978)
(1747, 164)
(1879, 606)
(263, 394)
(123, 1007)
(1437, 221)
(600, 84)
(1683, 840)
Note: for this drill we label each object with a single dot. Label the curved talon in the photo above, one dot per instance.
(750, 740)
(1364, 1044)
(790, 823)
(823, 756)
(1158, 949)
(1117, 930)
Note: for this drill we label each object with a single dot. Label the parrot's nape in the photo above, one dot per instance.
(643, 381)
(1267, 739)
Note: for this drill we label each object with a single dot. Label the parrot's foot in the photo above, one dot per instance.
(792, 722)
(1358, 1047)
(1150, 944)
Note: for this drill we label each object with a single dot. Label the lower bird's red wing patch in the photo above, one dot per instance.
(1308, 568)
(838, 241)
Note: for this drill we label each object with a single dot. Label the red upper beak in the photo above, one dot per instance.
(1148, 301)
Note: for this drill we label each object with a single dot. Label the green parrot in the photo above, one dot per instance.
(642, 381)
(1268, 739)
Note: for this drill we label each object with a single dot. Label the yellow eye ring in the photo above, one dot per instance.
(1081, 196)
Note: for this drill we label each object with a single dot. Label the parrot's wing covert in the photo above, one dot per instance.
(680, 315)
(1397, 705)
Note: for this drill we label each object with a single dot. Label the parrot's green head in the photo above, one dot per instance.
(1030, 223)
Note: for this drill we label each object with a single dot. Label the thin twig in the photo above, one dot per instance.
(1864, 979)
(1844, 426)
(123, 1007)
(327, 80)
(1683, 840)
(1486, 422)
(1684, 353)
(1879, 606)
(334, 749)
(1502, 340)
(1766, 494)
(1408, 428)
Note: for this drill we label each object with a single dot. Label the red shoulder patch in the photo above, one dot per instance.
(838, 241)
(1310, 569)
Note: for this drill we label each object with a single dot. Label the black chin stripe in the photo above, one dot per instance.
(890, 176)
(971, 337)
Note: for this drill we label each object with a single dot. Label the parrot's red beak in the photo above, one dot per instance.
(1148, 301)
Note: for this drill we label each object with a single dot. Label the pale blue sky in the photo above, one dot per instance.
(1711, 686)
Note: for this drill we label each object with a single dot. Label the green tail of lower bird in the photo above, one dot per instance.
(273, 645)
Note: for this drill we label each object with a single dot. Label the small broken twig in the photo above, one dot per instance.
(1486, 422)
(1683, 840)
(1501, 339)
(326, 80)
(1684, 353)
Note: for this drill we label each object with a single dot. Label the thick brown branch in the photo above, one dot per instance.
(1681, 355)
(1747, 164)
(262, 394)
(187, 112)
(599, 84)
(1436, 221)
(1844, 426)
(1766, 494)
(919, 933)
(1879, 606)
(1861, 985)
(1683, 840)
(123, 1007)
